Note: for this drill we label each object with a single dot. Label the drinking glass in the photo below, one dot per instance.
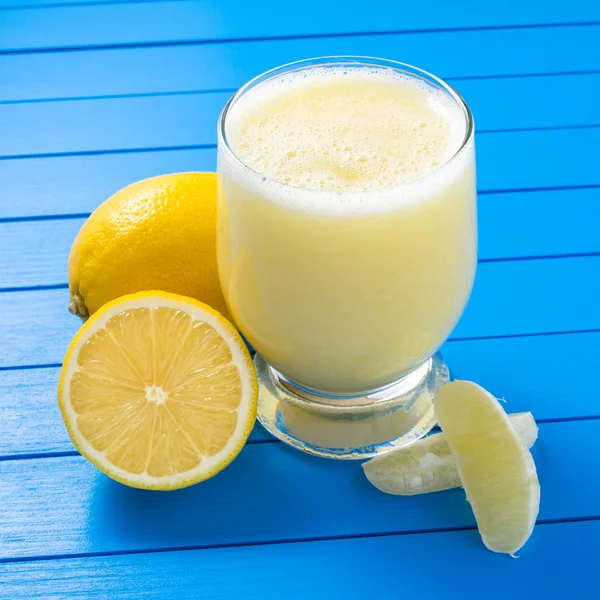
(346, 309)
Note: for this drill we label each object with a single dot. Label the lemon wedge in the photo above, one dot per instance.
(495, 467)
(158, 391)
(428, 465)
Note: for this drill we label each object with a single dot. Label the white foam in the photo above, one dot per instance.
(344, 141)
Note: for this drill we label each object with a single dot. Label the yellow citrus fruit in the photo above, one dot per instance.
(156, 234)
(428, 465)
(158, 391)
(494, 465)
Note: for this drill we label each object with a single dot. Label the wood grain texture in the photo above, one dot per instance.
(169, 69)
(184, 120)
(165, 22)
(554, 295)
(423, 566)
(35, 253)
(77, 184)
(255, 500)
(543, 383)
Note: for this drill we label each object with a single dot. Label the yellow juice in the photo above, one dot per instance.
(347, 223)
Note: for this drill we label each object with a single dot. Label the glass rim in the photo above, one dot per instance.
(369, 61)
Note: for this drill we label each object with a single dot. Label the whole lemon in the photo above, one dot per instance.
(156, 234)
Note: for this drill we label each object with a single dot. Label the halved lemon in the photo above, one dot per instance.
(158, 391)
(495, 467)
(428, 465)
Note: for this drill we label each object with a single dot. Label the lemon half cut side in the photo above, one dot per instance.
(158, 391)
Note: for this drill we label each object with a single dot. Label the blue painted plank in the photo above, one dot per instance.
(538, 223)
(509, 298)
(237, 19)
(533, 373)
(558, 562)
(30, 416)
(77, 184)
(515, 368)
(29, 4)
(255, 500)
(34, 253)
(114, 124)
(229, 65)
(529, 160)
(35, 327)
(183, 120)
(533, 296)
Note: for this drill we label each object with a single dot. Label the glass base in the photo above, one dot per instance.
(349, 427)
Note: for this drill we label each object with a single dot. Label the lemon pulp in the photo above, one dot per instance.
(158, 391)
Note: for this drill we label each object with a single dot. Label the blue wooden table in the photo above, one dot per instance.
(95, 94)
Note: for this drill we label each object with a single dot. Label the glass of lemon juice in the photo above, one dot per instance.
(347, 245)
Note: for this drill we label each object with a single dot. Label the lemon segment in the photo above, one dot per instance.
(428, 465)
(158, 391)
(495, 467)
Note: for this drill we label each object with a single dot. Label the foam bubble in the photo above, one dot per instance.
(343, 131)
